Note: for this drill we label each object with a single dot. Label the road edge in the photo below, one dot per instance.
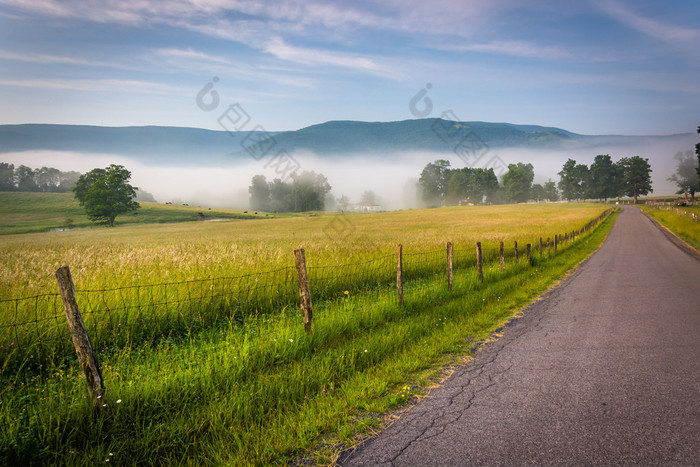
(481, 345)
(675, 239)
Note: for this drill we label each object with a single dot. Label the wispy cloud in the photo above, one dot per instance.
(657, 29)
(51, 59)
(191, 54)
(113, 85)
(515, 49)
(306, 56)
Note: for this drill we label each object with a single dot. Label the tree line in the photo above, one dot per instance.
(441, 185)
(44, 180)
(305, 191)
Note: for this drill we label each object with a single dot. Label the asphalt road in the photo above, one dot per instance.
(604, 371)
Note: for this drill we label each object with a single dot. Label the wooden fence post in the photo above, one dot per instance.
(450, 279)
(503, 259)
(479, 262)
(529, 252)
(540, 247)
(304, 292)
(556, 237)
(86, 357)
(549, 247)
(399, 273)
(515, 249)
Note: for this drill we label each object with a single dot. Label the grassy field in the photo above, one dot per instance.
(682, 225)
(253, 388)
(42, 212)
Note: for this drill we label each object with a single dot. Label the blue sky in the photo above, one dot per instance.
(592, 67)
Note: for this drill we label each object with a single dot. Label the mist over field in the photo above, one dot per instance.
(392, 176)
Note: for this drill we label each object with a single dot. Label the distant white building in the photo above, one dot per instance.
(359, 207)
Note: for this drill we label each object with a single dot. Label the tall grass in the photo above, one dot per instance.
(684, 226)
(260, 390)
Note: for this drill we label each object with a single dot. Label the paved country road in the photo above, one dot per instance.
(603, 371)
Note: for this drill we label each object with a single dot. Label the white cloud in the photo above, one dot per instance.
(112, 85)
(516, 49)
(666, 32)
(284, 51)
(50, 59)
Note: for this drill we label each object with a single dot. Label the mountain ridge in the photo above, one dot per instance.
(334, 138)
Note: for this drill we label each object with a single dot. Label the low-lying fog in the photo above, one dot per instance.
(392, 178)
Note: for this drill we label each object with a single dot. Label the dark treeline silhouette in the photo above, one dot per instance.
(43, 180)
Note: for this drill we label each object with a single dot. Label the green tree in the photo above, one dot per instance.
(105, 193)
(636, 176)
(281, 196)
(585, 182)
(7, 177)
(537, 192)
(517, 182)
(25, 179)
(603, 178)
(686, 176)
(433, 181)
(482, 185)
(550, 191)
(309, 191)
(259, 191)
(570, 181)
(697, 151)
(457, 187)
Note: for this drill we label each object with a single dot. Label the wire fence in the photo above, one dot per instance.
(34, 334)
(676, 210)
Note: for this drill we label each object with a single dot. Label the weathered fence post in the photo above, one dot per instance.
(556, 237)
(515, 249)
(549, 247)
(399, 273)
(304, 292)
(479, 262)
(529, 253)
(540, 247)
(450, 283)
(86, 357)
(502, 257)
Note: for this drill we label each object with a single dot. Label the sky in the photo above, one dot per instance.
(590, 66)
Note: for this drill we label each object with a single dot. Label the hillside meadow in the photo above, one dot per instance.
(237, 383)
(22, 212)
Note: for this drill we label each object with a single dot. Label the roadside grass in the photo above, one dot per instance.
(262, 391)
(683, 226)
(42, 212)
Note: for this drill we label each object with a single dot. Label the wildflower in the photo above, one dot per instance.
(346, 293)
(291, 340)
(365, 350)
(119, 401)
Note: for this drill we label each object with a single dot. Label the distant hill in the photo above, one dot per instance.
(193, 146)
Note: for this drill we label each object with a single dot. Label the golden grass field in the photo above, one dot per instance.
(148, 254)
